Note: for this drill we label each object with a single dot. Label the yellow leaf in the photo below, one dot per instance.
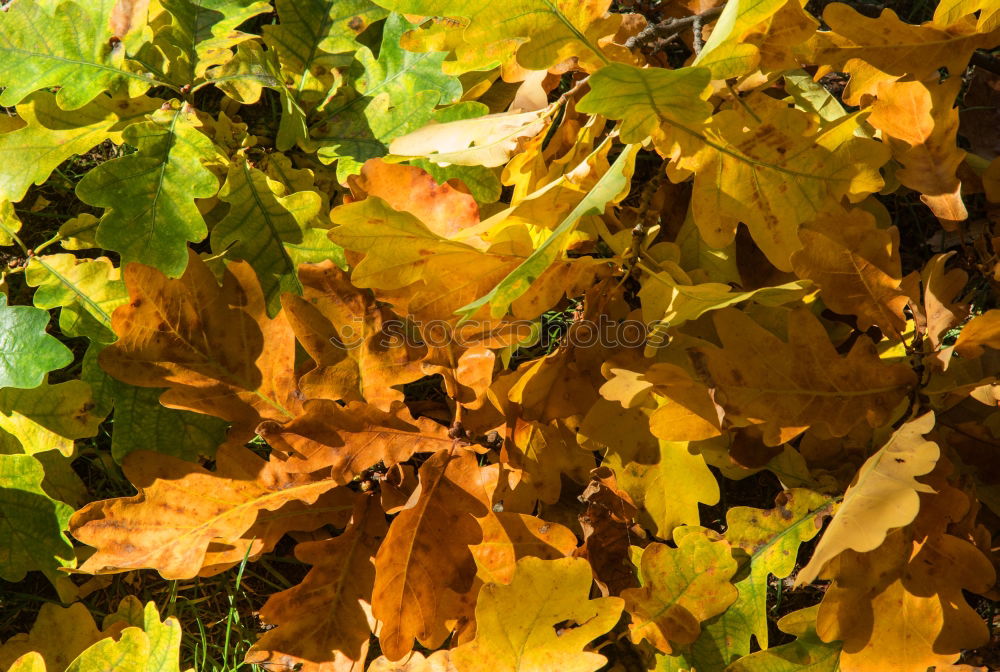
(485, 141)
(857, 267)
(656, 490)
(887, 48)
(539, 622)
(921, 123)
(787, 388)
(681, 587)
(883, 496)
(543, 32)
(725, 53)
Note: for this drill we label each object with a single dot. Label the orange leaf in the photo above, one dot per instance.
(325, 615)
(424, 564)
(171, 524)
(212, 347)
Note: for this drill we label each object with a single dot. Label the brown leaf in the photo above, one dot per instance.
(327, 612)
(424, 563)
(608, 533)
(980, 115)
(212, 347)
(941, 288)
(340, 442)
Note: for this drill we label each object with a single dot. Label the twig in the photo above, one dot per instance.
(669, 29)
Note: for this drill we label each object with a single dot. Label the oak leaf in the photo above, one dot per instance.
(326, 613)
(169, 526)
(883, 496)
(261, 220)
(856, 265)
(34, 539)
(150, 195)
(394, 93)
(58, 635)
(307, 36)
(788, 387)
(27, 352)
(902, 604)
(543, 33)
(726, 53)
(425, 563)
(982, 331)
(940, 311)
(487, 141)
(807, 652)
(211, 346)
(771, 539)
(49, 417)
(539, 621)
(681, 587)
(360, 349)
(874, 50)
(921, 126)
(774, 170)
(545, 453)
(655, 490)
(508, 537)
(65, 45)
(50, 135)
(340, 442)
(86, 291)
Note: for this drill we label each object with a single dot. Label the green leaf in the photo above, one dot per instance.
(70, 48)
(86, 290)
(150, 195)
(771, 538)
(725, 54)
(611, 186)
(259, 223)
(155, 647)
(394, 94)
(49, 417)
(27, 353)
(32, 525)
(544, 32)
(309, 33)
(645, 98)
(204, 31)
(315, 247)
(808, 653)
(53, 135)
